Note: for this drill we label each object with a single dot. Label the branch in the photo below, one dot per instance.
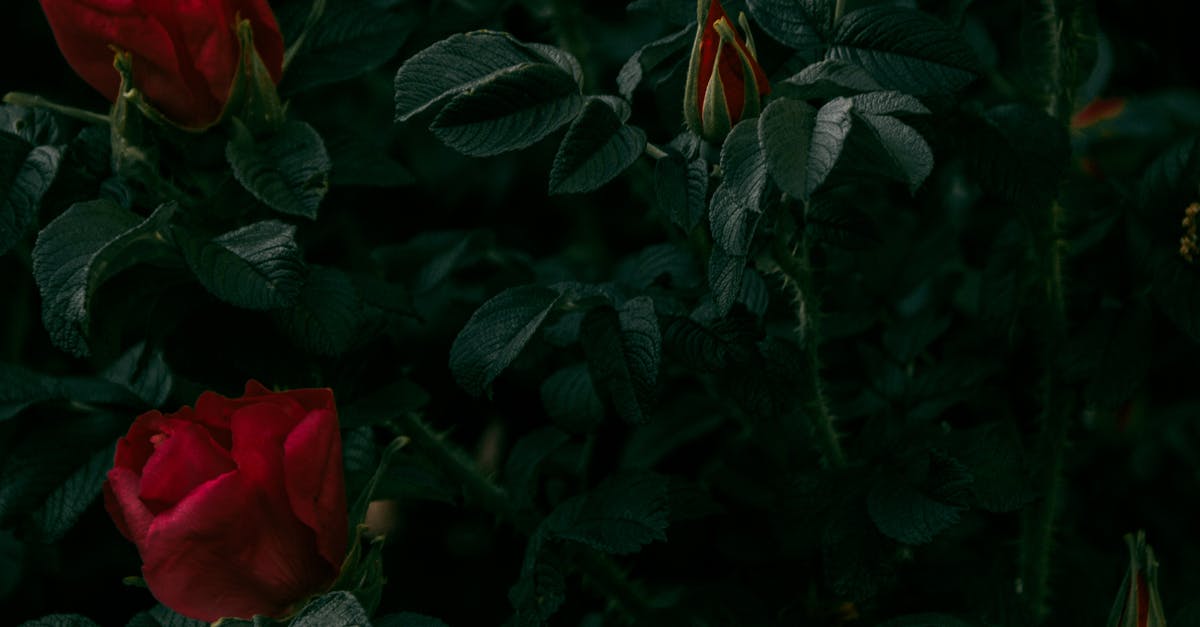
(796, 267)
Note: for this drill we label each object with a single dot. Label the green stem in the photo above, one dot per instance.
(30, 100)
(839, 10)
(796, 267)
(601, 570)
(1058, 399)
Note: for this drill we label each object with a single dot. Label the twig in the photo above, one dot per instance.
(30, 100)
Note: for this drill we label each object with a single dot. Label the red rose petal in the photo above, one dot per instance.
(185, 458)
(220, 552)
(312, 466)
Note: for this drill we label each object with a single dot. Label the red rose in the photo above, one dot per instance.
(185, 52)
(725, 83)
(237, 507)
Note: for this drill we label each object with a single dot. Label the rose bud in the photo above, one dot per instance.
(185, 57)
(1137, 602)
(725, 84)
(237, 507)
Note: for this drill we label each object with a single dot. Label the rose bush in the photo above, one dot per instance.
(185, 54)
(237, 507)
(725, 83)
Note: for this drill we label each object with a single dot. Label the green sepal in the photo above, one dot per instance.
(132, 150)
(715, 119)
(252, 97)
(691, 102)
(751, 103)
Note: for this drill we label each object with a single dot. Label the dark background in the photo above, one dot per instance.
(439, 546)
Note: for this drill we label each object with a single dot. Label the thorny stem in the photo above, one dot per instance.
(602, 571)
(30, 100)
(796, 267)
(1040, 520)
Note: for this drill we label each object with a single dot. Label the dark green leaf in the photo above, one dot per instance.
(904, 513)
(827, 79)
(905, 49)
(143, 372)
(20, 388)
(351, 37)
(335, 609)
(1120, 362)
(1170, 179)
(12, 558)
(454, 65)
(681, 189)
(661, 264)
(60, 620)
(288, 171)
(360, 162)
(888, 103)
(41, 460)
(78, 251)
(1176, 288)
(651, 442)
(925, 620)
(35, 125)
(541, 588)
(649, 57)
(909, 156)
(408, 619)
(596, 148)
(785, 130)
(995, 458)
(326, 314)
(563, 59)
(161, 616)
(512, 110)
(66, 504)
(526, 457)
(258, 266)
(497, 332)
(801, 24)
(25, 175)
(737, 204)
(570, 399)
(624, 349)
(698, 346)
(725, 275)
(1019, 154)
(842, 226)
(386, 403)
(627, 512)
(802, 145)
